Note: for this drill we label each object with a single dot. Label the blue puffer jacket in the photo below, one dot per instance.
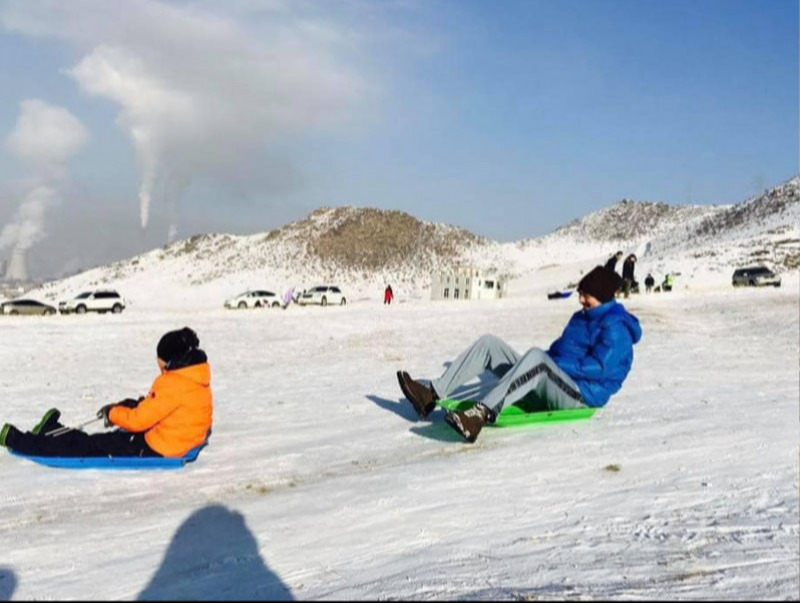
(596, 350)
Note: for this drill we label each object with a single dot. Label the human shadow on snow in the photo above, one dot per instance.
(402, 408)
(437, 430)
(399, 407)
(434, 427)
(214, 557)
(8, 583)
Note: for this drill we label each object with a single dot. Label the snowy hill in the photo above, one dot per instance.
(319, 482)
(362, 249)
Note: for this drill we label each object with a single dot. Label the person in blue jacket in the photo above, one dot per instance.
(584, 367)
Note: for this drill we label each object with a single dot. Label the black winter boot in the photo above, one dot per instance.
(422, 397)
(4, 433)
(49, 422)
(468, 423)
(9, 433)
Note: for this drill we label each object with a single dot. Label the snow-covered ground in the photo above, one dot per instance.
(318, 482)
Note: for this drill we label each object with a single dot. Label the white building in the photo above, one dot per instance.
(466, 282)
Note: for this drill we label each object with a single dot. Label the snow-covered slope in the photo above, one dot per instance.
(319, 484)
(363, 249)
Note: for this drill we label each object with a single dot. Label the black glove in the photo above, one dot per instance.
(127, 403)
(130, 402)
(103, 414)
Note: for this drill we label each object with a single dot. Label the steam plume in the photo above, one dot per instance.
(200, 94)
(44, 139)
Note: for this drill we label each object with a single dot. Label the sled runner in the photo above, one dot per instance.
(113, 462)
(516, 415)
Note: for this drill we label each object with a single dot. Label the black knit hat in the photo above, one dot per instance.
(601, 283)
(176, 345)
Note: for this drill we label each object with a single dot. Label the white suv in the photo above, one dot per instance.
(94, 301)
(253, 299)
(322, 295)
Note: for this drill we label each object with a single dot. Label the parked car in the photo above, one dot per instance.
(253, 299)
(756, 276)
(103, 300)
(26, 306)
(322, 295)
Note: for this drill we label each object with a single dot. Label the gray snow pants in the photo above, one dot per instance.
(533, 377)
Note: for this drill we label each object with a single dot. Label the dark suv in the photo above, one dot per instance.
(755, 276)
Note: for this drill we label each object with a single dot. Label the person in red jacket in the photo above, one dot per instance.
(388, 295)
(174, 417)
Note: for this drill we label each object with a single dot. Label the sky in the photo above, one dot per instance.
(507, 118)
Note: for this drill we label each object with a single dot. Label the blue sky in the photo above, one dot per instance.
(508, 118)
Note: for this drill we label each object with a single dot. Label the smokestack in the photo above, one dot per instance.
(16, 266)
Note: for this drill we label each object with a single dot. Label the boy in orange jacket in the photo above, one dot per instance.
(174, 417)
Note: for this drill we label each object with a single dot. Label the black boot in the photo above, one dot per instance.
(48, 423)
(422, 397)
(7, 427)
(7, 433)
(468, 423)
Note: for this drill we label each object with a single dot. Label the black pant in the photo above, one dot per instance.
(79, 443)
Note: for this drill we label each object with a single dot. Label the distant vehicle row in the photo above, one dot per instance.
(108, 300)
(101, 301)
(322, 295)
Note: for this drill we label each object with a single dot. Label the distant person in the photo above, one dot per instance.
(628, 279)
(649, 281)
(388, 295)
(611, 263)
(173, 418)
(668, 281)
(583, 367)
(288, 297)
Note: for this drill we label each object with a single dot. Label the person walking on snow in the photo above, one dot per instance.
(611, 263)
(649, 282)
(628, 279)
(584, 367)
(288, 297)
(174, 417)
(388, 295)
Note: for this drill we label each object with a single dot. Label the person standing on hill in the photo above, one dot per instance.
(611, 263)
(649, 282)
(583, 368)
(628, 280)
(388, 295)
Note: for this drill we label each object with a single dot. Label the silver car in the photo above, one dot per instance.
(756, 276)
(26, 306)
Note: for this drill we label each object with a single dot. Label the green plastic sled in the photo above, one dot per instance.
(516, 415)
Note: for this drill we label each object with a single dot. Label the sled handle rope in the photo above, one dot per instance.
(62, 430)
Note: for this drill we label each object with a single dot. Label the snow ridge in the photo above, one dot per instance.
(362, 249)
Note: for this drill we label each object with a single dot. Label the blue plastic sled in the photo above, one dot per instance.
(114, 462)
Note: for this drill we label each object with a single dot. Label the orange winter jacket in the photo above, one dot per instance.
(175, 415)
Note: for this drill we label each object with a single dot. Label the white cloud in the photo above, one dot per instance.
(199, 90)
(45, 134)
